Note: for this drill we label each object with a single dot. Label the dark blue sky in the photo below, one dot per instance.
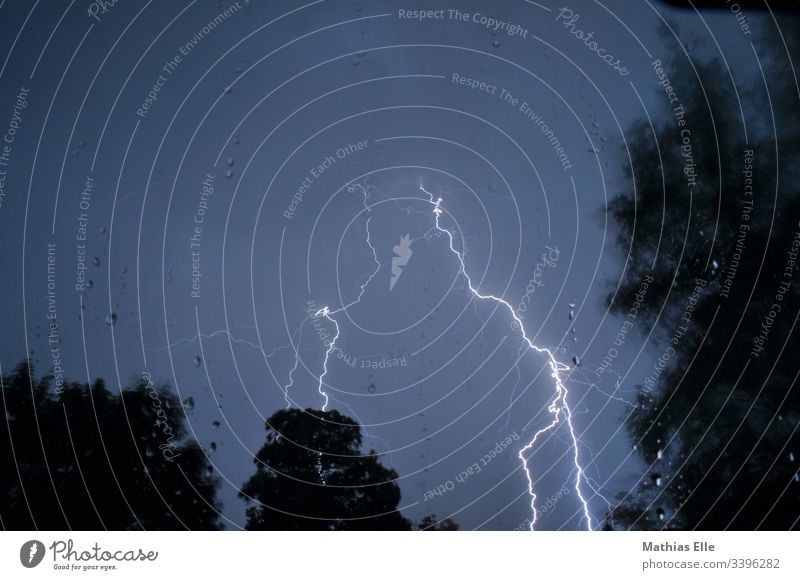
(225, 162)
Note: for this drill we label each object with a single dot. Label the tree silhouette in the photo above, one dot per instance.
(719, 426)
(432, 524)
(312, 475)
(85, 459)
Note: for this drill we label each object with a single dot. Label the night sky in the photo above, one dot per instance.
(188, 185)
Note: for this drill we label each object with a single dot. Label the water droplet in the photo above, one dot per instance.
(496, 43)
(571, 314)
(230, 161)
(791, 457)
(576, 359)
(660, 454)
(714, 264)
(95, 260)
(215, 424)
(111, 319)
(213, 446)
(188, 402)
(229, 174)
(657, 480)
(371, 388)
(197, 361)
(660, 514)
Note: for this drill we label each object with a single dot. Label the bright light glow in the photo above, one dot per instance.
(558, 408)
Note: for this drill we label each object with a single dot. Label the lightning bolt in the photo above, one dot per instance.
(329, 314)
(288, 385)
(558, 407)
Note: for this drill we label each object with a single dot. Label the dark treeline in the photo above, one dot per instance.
(718, 424)
(87, 459)
(83, 458)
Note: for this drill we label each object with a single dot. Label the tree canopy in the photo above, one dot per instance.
(312, 475)
(84, 458)
(717, 427)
